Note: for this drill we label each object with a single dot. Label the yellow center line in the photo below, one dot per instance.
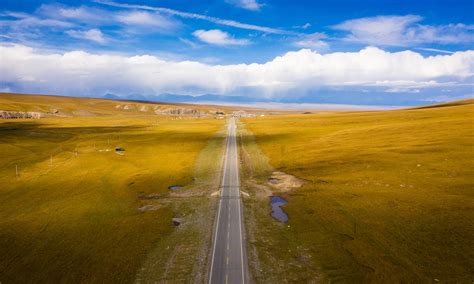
(226, 278)
(227, 261)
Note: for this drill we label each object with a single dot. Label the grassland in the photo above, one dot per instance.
(73, 106)
(389, 195)
(71, 213)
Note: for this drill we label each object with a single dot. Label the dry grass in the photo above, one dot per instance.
(72, 106)
(76, 219)
(389, 199)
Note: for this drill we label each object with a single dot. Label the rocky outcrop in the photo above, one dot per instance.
(7, 114)
(163, 110)
(126, 107)
(179, 111)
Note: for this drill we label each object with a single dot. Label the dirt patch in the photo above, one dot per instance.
(149, 208)
(261, 191)
(188, 192)
(82, 112)
(150, 196)
(284, 182)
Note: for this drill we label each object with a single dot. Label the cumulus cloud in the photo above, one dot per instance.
(403, 31)
(252, 5)
(218, 37)
(94, 35)
(78, 72)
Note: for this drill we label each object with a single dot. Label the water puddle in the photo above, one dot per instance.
(277, 211)
(273, 180)
(175, 187)
(177, 221)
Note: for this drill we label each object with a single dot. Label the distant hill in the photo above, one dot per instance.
(109, 105)
(449, 104)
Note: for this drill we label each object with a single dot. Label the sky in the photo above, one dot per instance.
(383, 52)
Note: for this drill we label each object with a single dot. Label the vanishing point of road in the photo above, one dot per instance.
(229, 259)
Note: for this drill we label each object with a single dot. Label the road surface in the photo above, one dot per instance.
(229, 261)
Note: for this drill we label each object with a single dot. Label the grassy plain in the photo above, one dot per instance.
(73, 106)
(389, 195)
(71, 214)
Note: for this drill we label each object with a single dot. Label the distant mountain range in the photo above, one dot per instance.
(173, 98)
(382, 99)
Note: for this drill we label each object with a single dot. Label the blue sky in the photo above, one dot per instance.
(354, 52)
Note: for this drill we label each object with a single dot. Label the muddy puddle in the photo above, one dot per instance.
(277, 211)
(273, 180)
(175, 187)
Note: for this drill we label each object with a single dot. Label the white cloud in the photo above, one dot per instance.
(218, 37)
(24, 21)
(143, 19)
(78, 72)
(224, 22)
(81, 14)
(252, 5)
(304, 27)
(403, 31)
(188, 42)
(435, 50)
(94, 35)
(91, 16)
(403, 90)
(313, 41)
(22, 27)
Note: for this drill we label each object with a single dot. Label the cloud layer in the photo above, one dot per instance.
(403, 31)
(81, 73)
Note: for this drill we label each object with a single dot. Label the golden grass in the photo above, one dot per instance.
(73, 106)
(389, 198)
(76, 219)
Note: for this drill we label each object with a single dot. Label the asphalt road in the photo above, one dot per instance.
(229, 260)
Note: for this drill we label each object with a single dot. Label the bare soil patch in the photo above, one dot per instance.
(149, 208)
(284, 182)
